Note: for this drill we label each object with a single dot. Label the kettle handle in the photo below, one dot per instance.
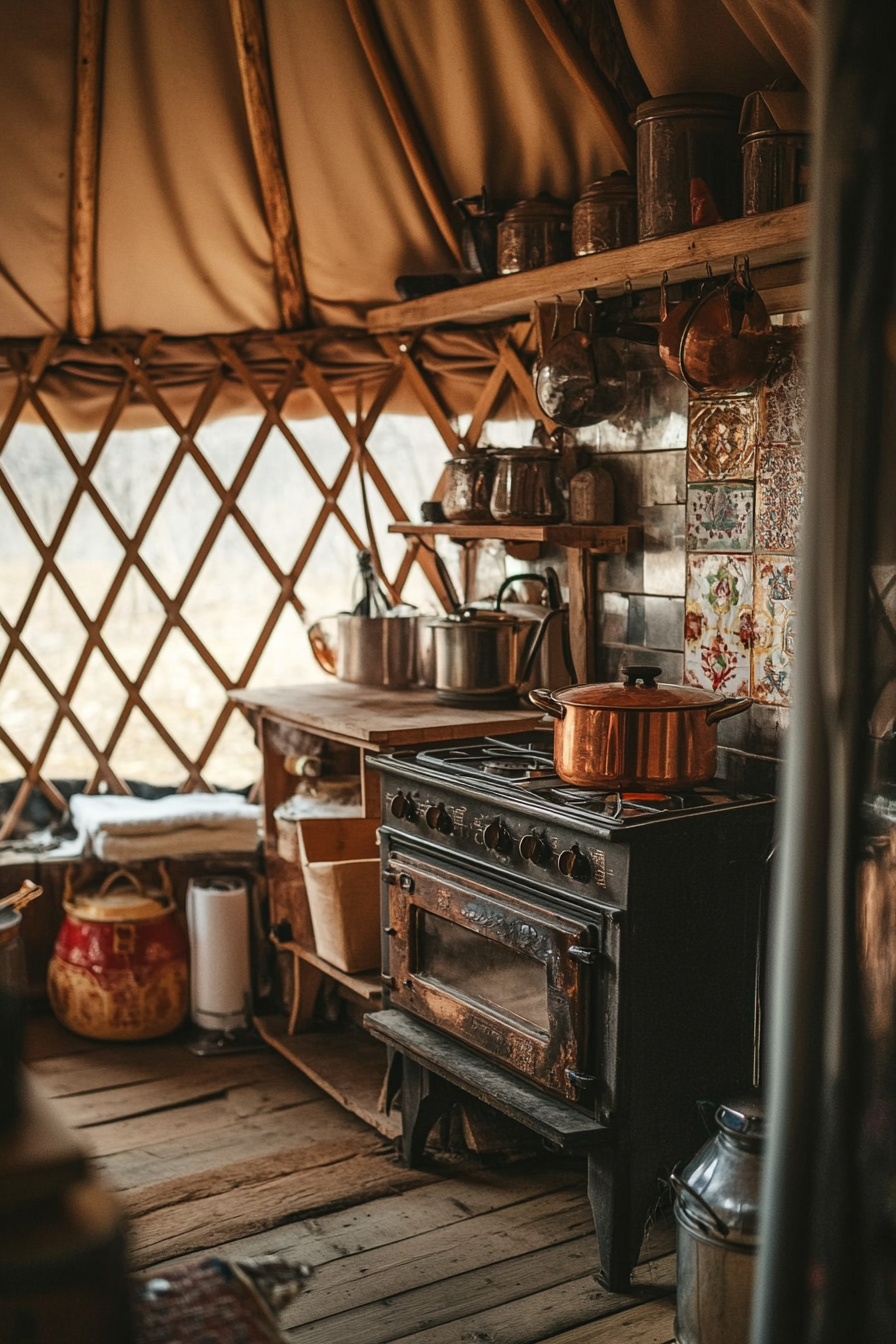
(546, 700)
(727, 710)
(321, 647)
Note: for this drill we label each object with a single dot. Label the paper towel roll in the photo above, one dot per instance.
(218, 923)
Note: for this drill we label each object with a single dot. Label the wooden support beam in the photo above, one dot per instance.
(405, 121)
(590, 80)
(258, 97)
(85, 168)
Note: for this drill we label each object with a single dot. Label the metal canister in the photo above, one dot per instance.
(716, 1212)
(120, 967)
(689, 170)
(468, 487)
(775, 150)
(534, 233)
(605, 216)
(525, 486)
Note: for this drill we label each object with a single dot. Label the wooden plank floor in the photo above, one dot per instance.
(244, 1155)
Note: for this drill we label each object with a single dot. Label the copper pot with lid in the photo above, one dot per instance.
(534, 233)
(638, 731)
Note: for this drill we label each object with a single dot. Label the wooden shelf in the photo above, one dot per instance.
(348, 1065)
(365, 984)
(768, 240)
(607, 540)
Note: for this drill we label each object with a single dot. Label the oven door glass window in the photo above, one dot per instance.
(484, 971)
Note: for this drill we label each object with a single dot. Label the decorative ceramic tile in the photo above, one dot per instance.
(719, 518)
(718, 623)
(722, 437)
(779, 496)
(774, 615)
(784, 398)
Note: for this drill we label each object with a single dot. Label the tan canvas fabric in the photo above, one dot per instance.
(181, 238)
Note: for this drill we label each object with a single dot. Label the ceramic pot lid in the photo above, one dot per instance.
(639, 691)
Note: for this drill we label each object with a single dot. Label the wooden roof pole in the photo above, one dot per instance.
(258, 97)
(590, 80)
(404, 119)
(85, 168)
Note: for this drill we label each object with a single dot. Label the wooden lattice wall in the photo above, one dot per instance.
(140, 378)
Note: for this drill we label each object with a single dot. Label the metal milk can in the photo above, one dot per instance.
(716, 1210)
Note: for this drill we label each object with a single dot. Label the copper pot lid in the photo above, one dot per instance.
(540, 209)
(618, 185)
(639, 691)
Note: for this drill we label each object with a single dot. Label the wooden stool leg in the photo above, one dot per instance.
(306, 981)
(425, 1098)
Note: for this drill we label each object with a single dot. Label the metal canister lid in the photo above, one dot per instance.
(722, 105)
(543, 208)
(742, 1120)
(618, 186)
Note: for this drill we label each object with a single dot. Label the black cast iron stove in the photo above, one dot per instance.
(584, 961)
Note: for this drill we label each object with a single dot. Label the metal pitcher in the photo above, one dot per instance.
(716, 1212)
(368, 650)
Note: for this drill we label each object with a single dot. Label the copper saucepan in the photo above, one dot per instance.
(636, 732)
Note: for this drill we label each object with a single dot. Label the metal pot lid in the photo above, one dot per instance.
(618, 184)
(531, 453)
(639, 691)
(543, 208)
(723, 105)
(467, 457)
(476, 616)
(118, 906)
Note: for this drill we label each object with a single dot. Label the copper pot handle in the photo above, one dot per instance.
(726, 710)
(322, 648)
(544, 699)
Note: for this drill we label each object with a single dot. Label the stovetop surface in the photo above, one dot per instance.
(521, 766)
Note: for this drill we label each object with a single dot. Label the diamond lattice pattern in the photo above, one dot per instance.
(145, 573)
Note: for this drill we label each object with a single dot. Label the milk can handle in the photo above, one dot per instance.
(681, 1188)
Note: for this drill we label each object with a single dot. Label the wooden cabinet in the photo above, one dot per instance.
(349, 1065)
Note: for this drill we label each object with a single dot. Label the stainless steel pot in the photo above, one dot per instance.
(635, 732)
(525, 486)
(716, 1212)
(368, 650)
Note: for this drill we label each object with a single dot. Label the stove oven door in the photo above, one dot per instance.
(519, 983)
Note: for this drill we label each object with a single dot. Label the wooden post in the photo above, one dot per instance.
(85, 168)
(581, 567)
(255, 74)
(405, 121)
(590, 80)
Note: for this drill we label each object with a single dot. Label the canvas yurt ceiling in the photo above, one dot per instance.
(183, 230)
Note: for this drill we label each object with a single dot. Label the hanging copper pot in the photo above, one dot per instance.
(726, 338)
(673, 321)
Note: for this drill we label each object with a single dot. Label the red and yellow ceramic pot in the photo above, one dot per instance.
(120, 968)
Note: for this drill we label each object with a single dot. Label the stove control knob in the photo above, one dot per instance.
(572, 863)
(439, 819)
(403, 808)
(535, 850)
(497, 838)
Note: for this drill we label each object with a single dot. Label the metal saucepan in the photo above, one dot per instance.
(636, 732)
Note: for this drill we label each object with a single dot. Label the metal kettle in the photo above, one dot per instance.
(716, 1213)
(483, 656)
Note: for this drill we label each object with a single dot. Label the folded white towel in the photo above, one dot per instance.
(120, 829)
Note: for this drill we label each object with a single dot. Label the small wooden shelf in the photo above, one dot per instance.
(366, 984)
(611, 539)
(769, 240)
(349, 1065)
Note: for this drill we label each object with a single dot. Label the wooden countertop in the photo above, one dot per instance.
(377, 719)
